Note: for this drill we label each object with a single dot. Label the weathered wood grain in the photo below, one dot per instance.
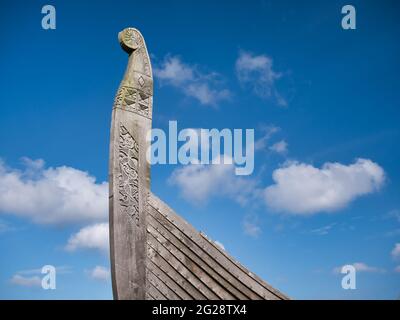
(155, 253)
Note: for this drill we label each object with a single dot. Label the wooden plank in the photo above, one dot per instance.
(223, 288)
(168, 281)
(161, 286)
(204, 277)
(154, 292)
(202, 254)
(148, 296)
(244, 269)
(158, 260)
(246, 278)
(181, 268)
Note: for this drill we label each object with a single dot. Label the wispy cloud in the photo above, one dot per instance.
(393, 233)
(59, 270)
(267, 132)
(5, 227)
(174, 71)
(264, 143)
(206, 88)
(33, 277)
(95, 237)
(361, 267)
(24, 281)
(304, 189)
(220, 244)
(394, 214)
(99, 273)
(251, 226)
(257, 72)
(280, 147)
(52, 195)
(322, 231)
(396, 251)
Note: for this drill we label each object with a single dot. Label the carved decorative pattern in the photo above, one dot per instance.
(128, 178)
(134, 100)
(132, 38)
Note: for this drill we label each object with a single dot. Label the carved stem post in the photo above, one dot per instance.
(129, 172)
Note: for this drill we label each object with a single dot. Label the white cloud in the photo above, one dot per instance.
(52, 195)
(251, 229)
(198, 183)
(279, 147)
(396, 251)
(219, 244)
(100, 273)
(322, 231)
(361, 267)
(268, 132)
(257, 72)
(33, 277)
(205, 88)
(5, 227)
(304, 189)
(174, 71)
(298, 189)
(205, 94)
(394, 214)
(91, 237)
(392, 233)
(23, 281)
(263, 142)
(59, 270)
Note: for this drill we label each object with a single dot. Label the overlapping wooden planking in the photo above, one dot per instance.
(195, 270)
(154, 292)
(148, 296)
(181, 268)
(161, 286)
(194, 254)
(174, 274)
(245, 270)
(206, 260)
(209, 266)
(155, 254)
(168, 281)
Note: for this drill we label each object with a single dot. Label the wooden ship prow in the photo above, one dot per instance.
(155, 253)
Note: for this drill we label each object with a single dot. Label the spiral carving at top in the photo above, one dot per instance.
(130, 39)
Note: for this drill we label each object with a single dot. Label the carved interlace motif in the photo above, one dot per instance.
(128, 179)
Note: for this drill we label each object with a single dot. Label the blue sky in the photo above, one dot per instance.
(319, 98)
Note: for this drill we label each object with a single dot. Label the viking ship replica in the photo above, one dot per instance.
(155, 253)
